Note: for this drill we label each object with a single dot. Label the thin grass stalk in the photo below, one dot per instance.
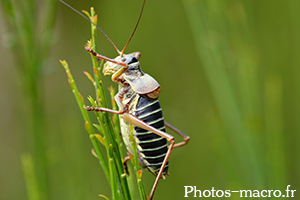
(274, 131)
(88, 123)
(29, 174)
(137, 168)
(30, 50)
(294, 16)
(114, 185)
(116, 120)
(114, 167)
(211, 50)
(105, 119)
(109, 129)
(114, 181)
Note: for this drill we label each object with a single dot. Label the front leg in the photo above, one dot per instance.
(118, 97)
(116, 75)
(87, 48)
(88, 108)
(124, 108)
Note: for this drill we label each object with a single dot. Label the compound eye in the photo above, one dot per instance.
(123, 59)
(133, 60)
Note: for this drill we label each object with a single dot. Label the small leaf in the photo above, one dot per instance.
(112, 90)
(87, 13)
(97, 73)
(68, 74)
(64, 63)
(94, 104)
(100, 139)
(89, 44)
(70, 84)
(89, 77)
(101, 195)
(90, 98)
(99, 128)
(94, 153)
(95, 20)
(81, 97)
(88, 127)
(139, 174)
(98, 93)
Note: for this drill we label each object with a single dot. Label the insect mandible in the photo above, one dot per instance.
(139, 110)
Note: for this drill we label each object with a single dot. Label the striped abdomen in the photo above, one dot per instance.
(152, 147)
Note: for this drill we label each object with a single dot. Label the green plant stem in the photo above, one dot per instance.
(30, 49)
(105, 119)
(87, 120)
(30, 179)
(116, 121)
(109, 131)
(114, 169)
(210, 51)
(137, 168)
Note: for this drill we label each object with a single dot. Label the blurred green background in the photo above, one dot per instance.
(229, 73)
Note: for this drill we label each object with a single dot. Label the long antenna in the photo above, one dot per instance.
(121, 54)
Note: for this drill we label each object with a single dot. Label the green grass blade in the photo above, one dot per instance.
(86, 118)
(30, 179)
(207, 21)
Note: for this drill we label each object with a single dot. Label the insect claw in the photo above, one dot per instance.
(125, 163)
(88, 49)
(87, 108)
(129, 154)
